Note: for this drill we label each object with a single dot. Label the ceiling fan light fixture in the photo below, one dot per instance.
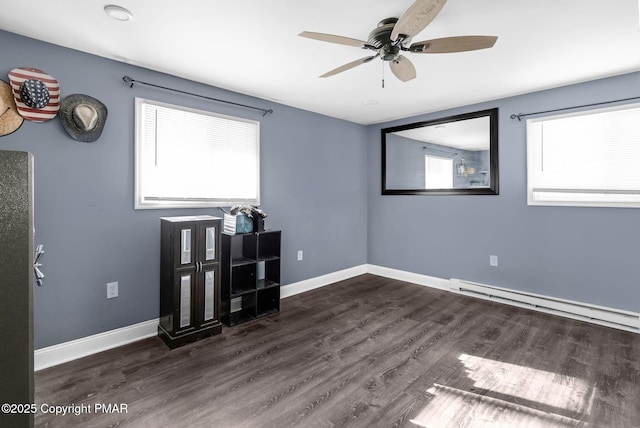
(118, 13)
(392, 36)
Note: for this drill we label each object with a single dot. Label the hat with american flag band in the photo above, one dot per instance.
(31, 83)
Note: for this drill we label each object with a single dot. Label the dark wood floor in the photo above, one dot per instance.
(367, 352)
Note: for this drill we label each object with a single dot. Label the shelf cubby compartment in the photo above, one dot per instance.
(243, 279)
(268, 245)
(242, 309)
(268, 273)
(268, 301)
(242, 248)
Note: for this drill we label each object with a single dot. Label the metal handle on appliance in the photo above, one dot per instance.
(37, 265)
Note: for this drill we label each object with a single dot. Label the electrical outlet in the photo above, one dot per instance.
(300, 255)
(112, 290)
(493, 260)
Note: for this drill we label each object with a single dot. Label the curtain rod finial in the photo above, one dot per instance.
(128, 80)
(516, 116)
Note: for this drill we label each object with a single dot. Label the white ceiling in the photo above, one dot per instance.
(469, 134)
(252, 47)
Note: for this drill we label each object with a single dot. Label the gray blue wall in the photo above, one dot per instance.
(313, 180)
(584, 254)
(320, 180)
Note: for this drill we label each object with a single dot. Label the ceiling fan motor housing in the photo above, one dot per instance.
(380, 38)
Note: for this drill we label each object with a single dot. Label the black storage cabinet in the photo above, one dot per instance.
(189, 278)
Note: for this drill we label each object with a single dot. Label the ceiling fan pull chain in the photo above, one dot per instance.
(382, 62)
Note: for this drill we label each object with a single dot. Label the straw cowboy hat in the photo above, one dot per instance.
(10, 119)
(83, 117)
(36, 94)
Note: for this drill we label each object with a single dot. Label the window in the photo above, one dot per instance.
(438, 172)
(188, 158)
(590, 158)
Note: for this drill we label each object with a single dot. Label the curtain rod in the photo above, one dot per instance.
(130, 82)
(519, 116)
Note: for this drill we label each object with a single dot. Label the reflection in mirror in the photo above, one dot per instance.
(452, 155)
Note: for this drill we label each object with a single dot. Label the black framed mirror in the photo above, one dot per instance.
(454, 155)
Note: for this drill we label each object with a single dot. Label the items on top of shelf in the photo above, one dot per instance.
(248, 210)
(244, 219)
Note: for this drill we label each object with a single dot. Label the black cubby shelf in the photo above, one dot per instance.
(250, 276)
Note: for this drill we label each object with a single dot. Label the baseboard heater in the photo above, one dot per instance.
(615, 318)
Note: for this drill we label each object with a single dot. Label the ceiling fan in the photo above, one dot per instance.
(392, 37)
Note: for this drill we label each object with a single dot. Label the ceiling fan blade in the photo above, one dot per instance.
(403, 69)
(416, 18)
(333, 39)
(348, 66)
(453, 44)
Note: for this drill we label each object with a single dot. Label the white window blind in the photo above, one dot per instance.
(193, 158)
(585, 159)
(438, 172)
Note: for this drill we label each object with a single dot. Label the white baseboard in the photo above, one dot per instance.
(415, 278)
(72, 350)
(69, 351)
(330, 278)
(321, 281)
